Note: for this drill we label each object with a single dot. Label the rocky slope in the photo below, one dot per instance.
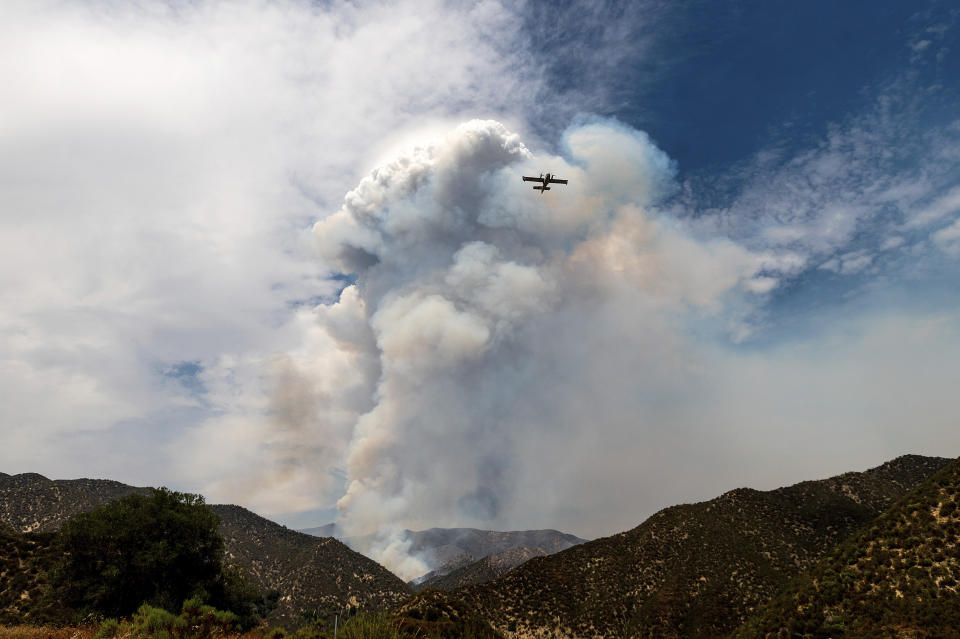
(696, 570)
(436, 614)
(899, 577)
(33, 503)
(316, 576)
(25, 561)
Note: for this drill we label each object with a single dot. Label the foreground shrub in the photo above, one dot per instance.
(366, 626)
(195, 621)
(21, 631)
(157, 623)
(360, 626)
(158, 550)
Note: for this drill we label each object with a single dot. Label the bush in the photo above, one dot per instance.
(233, 592)
(108, 629)
(367, 626)
(195, 621)
(158, 550)
(206, 621)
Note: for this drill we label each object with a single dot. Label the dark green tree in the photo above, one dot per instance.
(160, 550)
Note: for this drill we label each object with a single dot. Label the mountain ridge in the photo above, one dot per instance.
(693, 570)
(897, 577)
(445, 550)
(315, 575)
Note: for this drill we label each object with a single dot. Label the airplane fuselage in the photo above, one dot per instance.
(544, 180)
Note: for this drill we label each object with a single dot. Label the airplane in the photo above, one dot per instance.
(544, 181)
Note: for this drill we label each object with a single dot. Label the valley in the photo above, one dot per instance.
(710, 569)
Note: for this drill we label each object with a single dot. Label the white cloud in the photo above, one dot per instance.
(948, 238)
(842, 200)
(940, 207)
(848, 263)
(159, 163)
(761, 285)
(892, 242)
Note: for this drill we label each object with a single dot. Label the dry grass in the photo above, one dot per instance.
(85, 632)
(46, 632)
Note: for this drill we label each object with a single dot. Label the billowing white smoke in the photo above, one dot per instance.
(497, 322)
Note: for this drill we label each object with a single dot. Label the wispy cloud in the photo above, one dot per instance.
(873, 186)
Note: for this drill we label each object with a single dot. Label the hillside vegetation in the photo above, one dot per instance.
(311, 576)
(881, 548)
(316, 577)
(900, 577)
(32, 503)
(25, 564)
(695, 570)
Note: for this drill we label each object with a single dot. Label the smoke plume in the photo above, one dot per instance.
(496, 322)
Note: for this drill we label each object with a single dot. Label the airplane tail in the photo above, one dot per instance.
(541, 188)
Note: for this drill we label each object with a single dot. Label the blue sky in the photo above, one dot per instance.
(229, 238)
(714, 83)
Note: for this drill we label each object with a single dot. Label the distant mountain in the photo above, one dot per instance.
(899, 577)
(437, 546)
(447, 549)
(312, 575)
(696, 570)
(481, 571)
(456, 562)
(328, 530)
(33, 503)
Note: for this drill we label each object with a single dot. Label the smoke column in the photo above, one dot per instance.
(505, 339)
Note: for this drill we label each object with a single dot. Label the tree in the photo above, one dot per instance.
(160, 550)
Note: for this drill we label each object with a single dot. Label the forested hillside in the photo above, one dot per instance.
(697, 570)
(897, 578)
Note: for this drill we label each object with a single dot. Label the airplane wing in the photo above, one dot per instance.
(552, 181)
(530, 179)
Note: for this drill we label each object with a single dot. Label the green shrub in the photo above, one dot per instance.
(159, 550)
(195, 621)
(369, 626)
(108, 629)
(206, 621)
(156, 623)
(309, 632)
